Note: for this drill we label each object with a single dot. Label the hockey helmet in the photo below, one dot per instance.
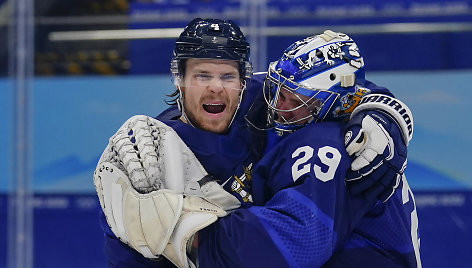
(212, 39)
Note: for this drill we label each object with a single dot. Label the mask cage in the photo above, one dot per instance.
(275, 82)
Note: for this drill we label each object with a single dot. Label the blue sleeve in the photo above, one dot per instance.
(120, 255)
(289, 231)
(375, 89)
(299, 223)
(387, 235)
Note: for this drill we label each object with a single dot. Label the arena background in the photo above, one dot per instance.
(73, 71)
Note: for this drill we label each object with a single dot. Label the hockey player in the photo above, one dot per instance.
(303, 215)
(225, 155)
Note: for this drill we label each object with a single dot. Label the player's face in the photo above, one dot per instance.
(211, 90)
(295, 108)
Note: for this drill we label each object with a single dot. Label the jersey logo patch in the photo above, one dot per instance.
(240, 186)
(350, 101)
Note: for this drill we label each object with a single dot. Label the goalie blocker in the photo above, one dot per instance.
(394, 107)
(160, 221)
(378, 134)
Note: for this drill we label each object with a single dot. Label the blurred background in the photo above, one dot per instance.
(72, 71)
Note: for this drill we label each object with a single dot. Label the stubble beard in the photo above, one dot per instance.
(208, 125)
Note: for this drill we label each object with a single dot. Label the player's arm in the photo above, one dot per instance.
(377, 137)
(277, 234)
(298, 226)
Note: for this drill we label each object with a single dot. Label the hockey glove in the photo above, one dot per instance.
(149, 183)
(377, 136)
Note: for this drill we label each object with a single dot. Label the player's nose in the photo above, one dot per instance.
(216, 86)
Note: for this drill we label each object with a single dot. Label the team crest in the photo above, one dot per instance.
(350, 101)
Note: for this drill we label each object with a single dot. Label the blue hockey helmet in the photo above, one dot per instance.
(212, 39)
(323, 72)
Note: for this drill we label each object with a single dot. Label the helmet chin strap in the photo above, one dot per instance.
(239, 103)
(180, 105)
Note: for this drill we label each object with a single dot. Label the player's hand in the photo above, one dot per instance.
(375, 142)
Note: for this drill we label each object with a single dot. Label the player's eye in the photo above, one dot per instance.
(203, 77)
(228, 77)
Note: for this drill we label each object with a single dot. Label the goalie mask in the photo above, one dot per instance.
(210, 39)
(316, 79)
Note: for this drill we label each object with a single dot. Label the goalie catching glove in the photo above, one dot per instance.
(153, 191)
(378, 134)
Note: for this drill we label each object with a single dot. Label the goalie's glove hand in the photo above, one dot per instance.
(375, 142)
(151, 190)
(146, 222)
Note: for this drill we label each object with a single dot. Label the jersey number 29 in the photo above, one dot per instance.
(328, 155)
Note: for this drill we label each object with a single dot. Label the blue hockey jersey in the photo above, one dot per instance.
(304, 217)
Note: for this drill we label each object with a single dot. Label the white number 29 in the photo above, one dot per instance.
(328, 155)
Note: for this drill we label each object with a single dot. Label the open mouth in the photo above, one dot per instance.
(214, 108)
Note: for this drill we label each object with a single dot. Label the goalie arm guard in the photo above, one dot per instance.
(378, 135)
(148, 181)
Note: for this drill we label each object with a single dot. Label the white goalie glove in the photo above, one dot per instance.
(153, 191)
